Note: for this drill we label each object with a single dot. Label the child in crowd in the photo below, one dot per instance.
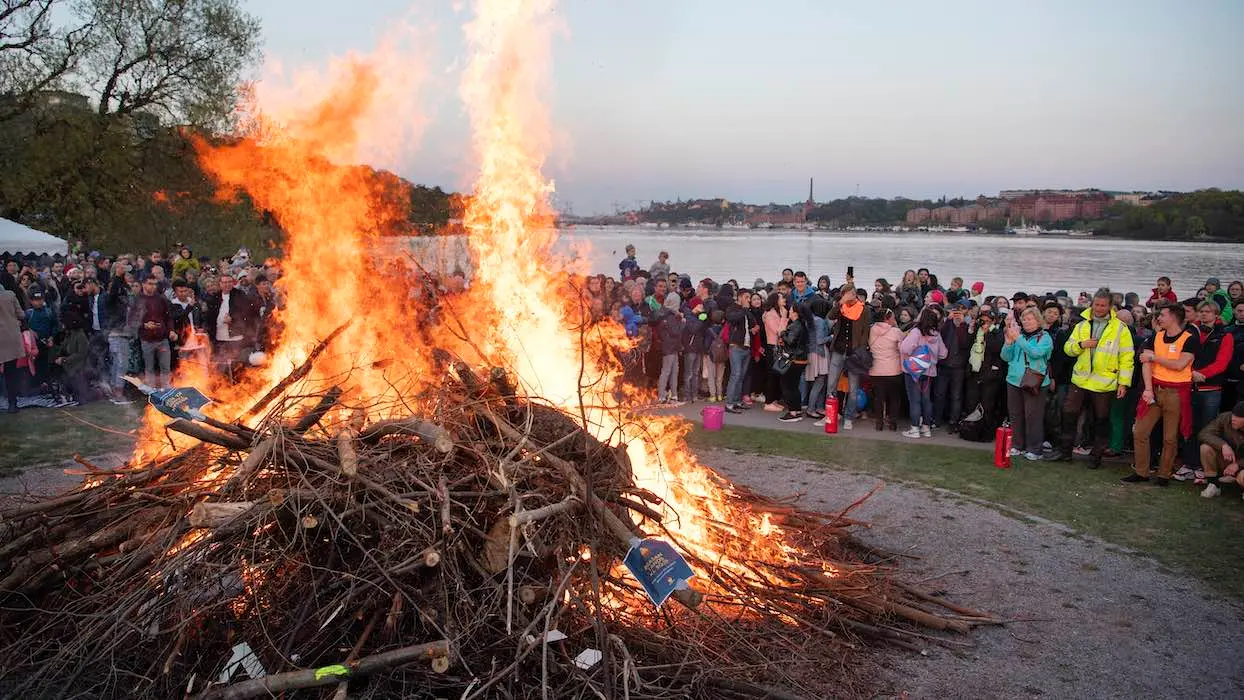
(716, 356)
(671, 327)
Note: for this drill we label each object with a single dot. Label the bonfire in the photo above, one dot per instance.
(459, 508)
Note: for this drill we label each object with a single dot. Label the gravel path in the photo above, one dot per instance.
(1116, 624)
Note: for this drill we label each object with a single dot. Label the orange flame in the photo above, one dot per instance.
(511, 236)
(529, 317)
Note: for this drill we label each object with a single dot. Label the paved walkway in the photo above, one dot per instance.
(864, 429)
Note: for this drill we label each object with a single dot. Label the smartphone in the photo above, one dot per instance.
(850, 271)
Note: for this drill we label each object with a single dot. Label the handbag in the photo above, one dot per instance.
(781, 360)
(860, 360)
(1032, 381)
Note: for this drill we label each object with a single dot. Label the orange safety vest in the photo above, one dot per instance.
(1170, 352)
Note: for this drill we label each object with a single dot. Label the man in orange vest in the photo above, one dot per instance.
(1167, 372)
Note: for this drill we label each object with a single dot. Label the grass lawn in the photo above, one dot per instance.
(1174, 525)
(41, 435)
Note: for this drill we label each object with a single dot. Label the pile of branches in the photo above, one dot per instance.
(469, 551)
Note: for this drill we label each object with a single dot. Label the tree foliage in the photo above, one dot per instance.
(1211, 214)
(180, 60)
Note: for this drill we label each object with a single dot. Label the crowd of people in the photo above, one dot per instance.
(72, 328)
(1098, 375)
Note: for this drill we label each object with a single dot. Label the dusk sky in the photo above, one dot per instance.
(747, 100)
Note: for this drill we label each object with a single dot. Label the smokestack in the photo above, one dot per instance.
(810, 199)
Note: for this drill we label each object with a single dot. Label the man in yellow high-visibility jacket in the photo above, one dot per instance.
(1105, 356)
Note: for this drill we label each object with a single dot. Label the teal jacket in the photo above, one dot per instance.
(1037, 351)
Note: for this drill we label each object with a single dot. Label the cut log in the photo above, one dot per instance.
(316, 414)
(206, 434)
(214, 515)
(433, 434)
(327, 675)
(345, 452)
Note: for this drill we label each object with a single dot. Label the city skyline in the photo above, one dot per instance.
(658, 101)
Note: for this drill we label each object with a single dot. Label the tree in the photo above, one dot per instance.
(1196, 227)
(182, 59)
(35, 52)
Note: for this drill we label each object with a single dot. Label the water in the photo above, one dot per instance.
(1005, 264)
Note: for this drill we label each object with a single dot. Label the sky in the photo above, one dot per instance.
(658, 100)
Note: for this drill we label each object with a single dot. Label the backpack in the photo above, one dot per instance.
(976, 426)
(718, 351)
(918, 363)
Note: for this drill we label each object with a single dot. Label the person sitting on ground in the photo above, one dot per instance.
(73, 356)
(1209, 371)
(1221, 443)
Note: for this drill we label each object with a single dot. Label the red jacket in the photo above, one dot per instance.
(1158, 298)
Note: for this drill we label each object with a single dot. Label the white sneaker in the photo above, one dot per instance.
(912, 432)
(926, 431)
(1032, 456)
(846, 424)
(1210, 491)
(1015, 452)
(820, 422)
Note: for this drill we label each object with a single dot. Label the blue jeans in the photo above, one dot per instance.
(1205, 407)
(816, 394)
(739, 357)
(691, 376)
(837, 364)
(920, 400)
(948, 393)
(119, 351)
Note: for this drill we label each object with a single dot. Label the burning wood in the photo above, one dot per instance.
(485, 540)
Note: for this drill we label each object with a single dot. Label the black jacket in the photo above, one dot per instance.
(184, 315)
(243, 315)
(993, 366)
(1061, 364)
(795, 340)
(958, 344)
(740, 322)
(116, 305)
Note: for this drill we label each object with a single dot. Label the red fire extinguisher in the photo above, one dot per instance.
(831, 415)
(1002, 446)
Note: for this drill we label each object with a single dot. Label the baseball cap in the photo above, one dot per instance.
(978, 287)
(1238, 410)
(1214, 281)
(36, 295)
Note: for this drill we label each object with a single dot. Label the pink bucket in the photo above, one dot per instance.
(713, 417)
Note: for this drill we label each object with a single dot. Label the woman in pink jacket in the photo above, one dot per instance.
(775, 318)
(919, 354)
(887, 370)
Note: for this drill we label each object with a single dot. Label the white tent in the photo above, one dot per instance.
(16, 238)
